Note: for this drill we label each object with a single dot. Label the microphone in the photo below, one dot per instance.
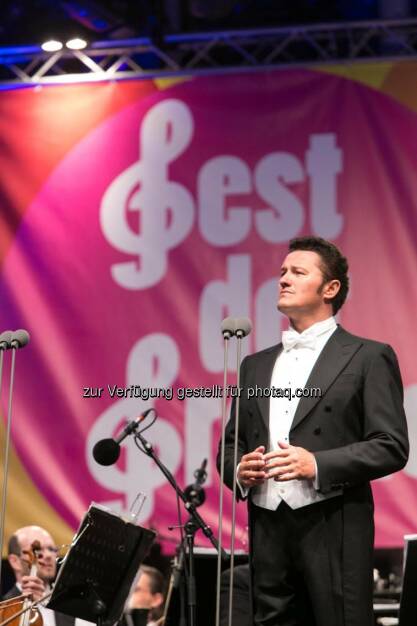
(200, 474)
(243, 326)
(228, 327)
(195, 492)
(5, 338)
(20, 338)
(107, 451)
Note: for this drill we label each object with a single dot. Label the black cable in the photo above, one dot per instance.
(155, 417)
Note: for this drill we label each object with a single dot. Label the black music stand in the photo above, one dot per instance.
(98, 571)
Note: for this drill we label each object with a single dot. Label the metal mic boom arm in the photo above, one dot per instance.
(148, 449)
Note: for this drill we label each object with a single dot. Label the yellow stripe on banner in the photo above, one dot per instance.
(25, 504)
(399, 84)
(370, 74)
(166, 83)
(391, 78)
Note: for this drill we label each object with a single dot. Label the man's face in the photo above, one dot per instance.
(46, 562)
(142, 597)
(300, 284)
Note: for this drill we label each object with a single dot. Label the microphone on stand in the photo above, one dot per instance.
(195, 492)
(228, 327)
(240, 327)
(19, 339)
(243, 327)
(107, 451)
(9, 339)
(200, 474)
(5, 338)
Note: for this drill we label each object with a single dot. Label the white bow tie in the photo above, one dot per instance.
(291, 339)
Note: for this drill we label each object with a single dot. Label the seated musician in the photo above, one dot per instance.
(148, 593)
(19, 549)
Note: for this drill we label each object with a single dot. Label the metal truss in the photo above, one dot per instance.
(216, 52)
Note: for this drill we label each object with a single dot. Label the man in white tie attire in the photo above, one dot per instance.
(305, 459)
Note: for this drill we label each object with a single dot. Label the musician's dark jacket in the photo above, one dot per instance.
(357, 432)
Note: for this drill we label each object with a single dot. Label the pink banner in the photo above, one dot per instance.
(158, 213)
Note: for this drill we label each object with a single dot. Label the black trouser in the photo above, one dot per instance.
(241, 615)
(297, 565)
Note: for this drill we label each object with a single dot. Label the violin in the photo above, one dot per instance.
(19, 611)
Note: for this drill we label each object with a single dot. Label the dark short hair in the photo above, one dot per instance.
(157, 585)
(13, 546)
(334, 265)
(157, 581)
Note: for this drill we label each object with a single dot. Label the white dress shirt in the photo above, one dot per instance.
(48, 617)
(292, 370)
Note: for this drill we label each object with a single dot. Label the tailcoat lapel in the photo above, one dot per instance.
(334, 357)
(263, 378)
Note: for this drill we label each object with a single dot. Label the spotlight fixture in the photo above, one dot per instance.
(76, 43)
(52, 45)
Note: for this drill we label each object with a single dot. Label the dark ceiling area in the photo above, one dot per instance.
(33, 21)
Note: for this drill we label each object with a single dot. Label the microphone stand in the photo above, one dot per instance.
(13, 340)
(228, 327)
(239, 336)
(194, 523)
(241, 327)
(5, 338)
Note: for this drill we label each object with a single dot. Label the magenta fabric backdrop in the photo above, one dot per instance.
(172, 212)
